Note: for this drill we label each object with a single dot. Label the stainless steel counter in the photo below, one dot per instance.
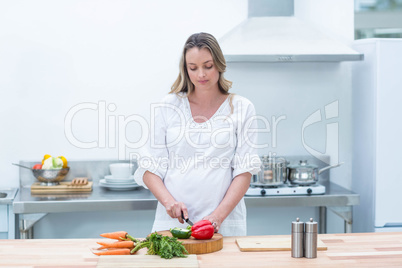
(33, 207)
(102, 200)
(7, 195)
(99, 199)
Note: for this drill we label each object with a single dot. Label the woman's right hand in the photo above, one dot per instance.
(174, 210)
(158, 188)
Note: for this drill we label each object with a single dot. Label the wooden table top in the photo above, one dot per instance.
(347, 250)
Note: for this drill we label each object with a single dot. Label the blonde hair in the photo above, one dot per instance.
(208, 41)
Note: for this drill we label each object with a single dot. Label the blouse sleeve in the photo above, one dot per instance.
(153, 156)
(246, 158)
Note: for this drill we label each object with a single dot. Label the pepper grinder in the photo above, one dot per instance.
(310, 239)
(297, 238)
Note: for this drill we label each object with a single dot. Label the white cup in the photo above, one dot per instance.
(121, 170)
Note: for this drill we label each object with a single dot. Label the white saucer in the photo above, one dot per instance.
(119, 186)
(110, 179)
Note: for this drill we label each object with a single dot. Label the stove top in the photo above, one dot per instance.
(286, 189)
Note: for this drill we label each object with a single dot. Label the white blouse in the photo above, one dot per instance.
(198, 161)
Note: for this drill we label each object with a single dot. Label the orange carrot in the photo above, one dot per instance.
(118, 244)
(120, 235)
(102, 249)
(120, 251)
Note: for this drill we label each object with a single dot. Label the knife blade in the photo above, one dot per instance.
(186, 220)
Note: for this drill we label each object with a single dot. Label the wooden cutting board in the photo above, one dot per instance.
(270, 243)
(195, 246)
(63, 187)
(146, 261)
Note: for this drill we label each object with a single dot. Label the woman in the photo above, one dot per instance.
(200, 158)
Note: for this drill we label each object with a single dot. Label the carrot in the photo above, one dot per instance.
(120, 251)
(120, 235)
(118, 244)
(103, 249)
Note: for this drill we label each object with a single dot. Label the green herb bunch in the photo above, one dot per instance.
(164, 246)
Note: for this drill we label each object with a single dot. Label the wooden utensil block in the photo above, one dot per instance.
(146, 261)
(63, 187)
(195, 246)
(272, 243)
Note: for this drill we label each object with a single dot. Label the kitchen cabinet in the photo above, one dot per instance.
(7, 218)
(343, 250)
(3, 221)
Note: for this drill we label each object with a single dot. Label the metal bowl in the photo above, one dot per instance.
(50, 176)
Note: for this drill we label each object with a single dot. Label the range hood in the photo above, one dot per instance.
(282, 39)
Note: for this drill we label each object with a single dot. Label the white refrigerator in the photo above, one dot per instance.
(377, 135)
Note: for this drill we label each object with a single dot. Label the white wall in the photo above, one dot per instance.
(55, 55)
(293, 92)
(333, 17)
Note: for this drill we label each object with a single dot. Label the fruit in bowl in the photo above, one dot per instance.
(52, 163)
(52, 170)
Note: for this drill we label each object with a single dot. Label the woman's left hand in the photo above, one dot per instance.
(216, 221)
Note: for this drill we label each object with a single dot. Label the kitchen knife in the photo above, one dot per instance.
(187, 220)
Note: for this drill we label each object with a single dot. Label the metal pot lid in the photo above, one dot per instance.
(273, 159)
(303, 164)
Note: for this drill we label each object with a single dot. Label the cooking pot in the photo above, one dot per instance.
(305, 174)
(273, 171)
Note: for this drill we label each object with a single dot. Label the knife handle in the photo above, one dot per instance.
(182, 216)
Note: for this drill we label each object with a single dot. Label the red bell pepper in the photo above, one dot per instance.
(201, 223)
(202, 230)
